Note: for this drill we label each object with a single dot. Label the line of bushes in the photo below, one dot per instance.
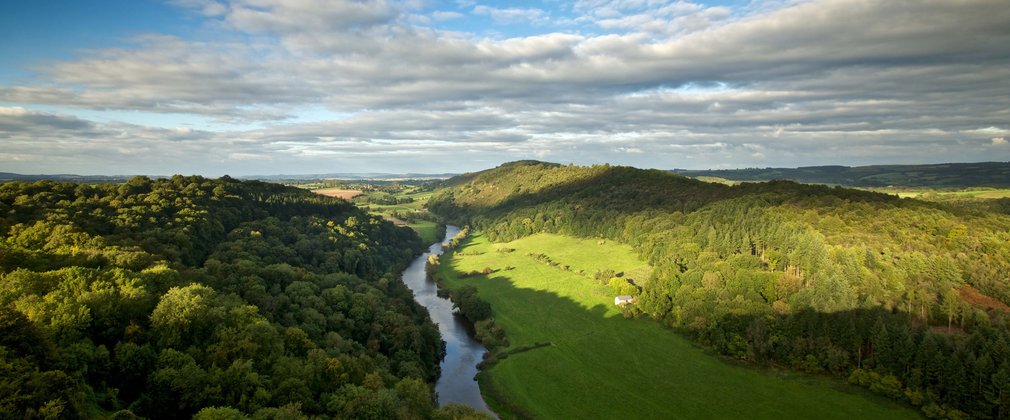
(490, 359)
(456, 240)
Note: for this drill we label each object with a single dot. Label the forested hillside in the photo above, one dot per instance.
(905, 297)
(982, 174)
(167, 298)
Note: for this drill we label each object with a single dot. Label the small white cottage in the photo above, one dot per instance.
(624, 300)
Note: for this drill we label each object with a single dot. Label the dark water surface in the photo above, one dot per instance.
(462, 353)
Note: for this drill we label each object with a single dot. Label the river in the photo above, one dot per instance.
(462, 352)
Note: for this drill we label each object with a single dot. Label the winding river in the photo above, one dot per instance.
(462, 353)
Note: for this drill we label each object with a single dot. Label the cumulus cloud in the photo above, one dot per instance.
(663, 84)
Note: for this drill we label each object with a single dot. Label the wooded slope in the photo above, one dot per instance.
(821, 279)
(945, 175)
(164, 298)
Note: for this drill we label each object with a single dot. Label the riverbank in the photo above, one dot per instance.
(462, 352)
(601, 365)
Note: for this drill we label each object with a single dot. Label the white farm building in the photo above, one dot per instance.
(624, 300)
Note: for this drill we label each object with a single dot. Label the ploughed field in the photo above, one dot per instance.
(601, 365)
(337, 192)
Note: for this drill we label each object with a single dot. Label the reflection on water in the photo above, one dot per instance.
(462, 353)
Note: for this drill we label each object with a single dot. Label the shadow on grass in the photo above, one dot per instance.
(601, 365)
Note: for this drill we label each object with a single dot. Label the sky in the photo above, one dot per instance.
(261, 87)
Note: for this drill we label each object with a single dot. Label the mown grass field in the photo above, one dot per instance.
(426, 230)
(604, 366)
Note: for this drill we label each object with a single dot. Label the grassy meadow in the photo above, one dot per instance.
(602, 365)
(420, 198)
(969, 193)
(426, 230)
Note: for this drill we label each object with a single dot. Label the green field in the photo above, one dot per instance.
(717, 180)
(934, 194)
(420, 199)
(604, 366)
(426, 230)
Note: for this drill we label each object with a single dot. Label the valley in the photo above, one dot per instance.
(476, 210)
(756, 300)
(897, 296)
(601, 365)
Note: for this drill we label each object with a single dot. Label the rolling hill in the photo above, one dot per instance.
(953, 175)
(866, 286)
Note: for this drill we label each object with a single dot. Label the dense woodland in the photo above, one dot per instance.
(907, 298)
(217, 298)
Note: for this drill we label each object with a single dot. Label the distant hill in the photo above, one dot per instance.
(983, 174)
(91, 179)
(87, 179)
(351, 176)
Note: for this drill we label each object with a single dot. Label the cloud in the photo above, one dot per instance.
(512, 15)
(999, 141)
(204, 7)
(64, 143)
(17, 119)
(281, 17)
(660, 84)
(654, 18)
(167, 74)
(368, 65)
(445, 15)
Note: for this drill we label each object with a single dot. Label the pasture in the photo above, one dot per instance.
(426, 230)
(601, 365)
(947, 194)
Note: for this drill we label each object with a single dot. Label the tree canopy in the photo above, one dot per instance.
(168, 298)
(811, 277)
